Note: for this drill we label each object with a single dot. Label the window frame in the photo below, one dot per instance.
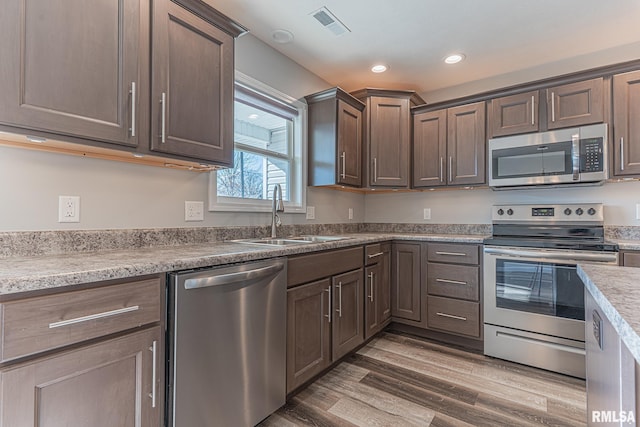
(298, 173)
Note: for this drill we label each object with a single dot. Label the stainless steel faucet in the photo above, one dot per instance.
(278, 206)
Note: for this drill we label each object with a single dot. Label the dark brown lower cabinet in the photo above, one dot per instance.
(406, 287)
(308, 332)
(377, 292)
(103, 385)
(347, 331)
(325, 321)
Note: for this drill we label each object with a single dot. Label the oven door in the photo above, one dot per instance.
(537, 290)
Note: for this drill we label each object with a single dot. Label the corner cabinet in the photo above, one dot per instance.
(192, 83)
(91, 357)
(335, 138)
(387, 136)
(407, 294)
(91, 87)
(626, 116)
(449, 146)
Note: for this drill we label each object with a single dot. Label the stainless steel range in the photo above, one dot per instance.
(533, 297)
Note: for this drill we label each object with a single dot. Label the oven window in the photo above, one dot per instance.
(532, 161)
(538, 287)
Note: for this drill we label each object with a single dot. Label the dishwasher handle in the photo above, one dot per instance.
(231, 278)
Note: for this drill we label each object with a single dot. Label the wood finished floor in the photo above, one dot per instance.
(399, 380)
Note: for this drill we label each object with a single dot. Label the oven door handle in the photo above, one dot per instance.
(608, 257)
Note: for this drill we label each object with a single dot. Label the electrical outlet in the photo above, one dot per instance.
(193, 211)
(311, 212)
(68, 209)
(427, 213)
(350, 213)
(638, 211)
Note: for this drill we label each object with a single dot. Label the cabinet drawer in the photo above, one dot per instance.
(455, 281)
(631, 259)
(453, 252)
(308, 268)
(372, 253)
(458, 317)
(38, 324)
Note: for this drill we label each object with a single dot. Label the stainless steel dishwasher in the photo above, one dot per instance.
(226, 344)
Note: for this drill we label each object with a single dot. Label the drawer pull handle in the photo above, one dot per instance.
(93, 317)
(450, 253)
(152, 395)
(375, 255)
(451, 316)
(339, 310)
(454, 282)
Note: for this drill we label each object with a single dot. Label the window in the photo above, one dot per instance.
(269, 131)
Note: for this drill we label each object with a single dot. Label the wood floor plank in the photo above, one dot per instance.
(393, 405)
(445, 388)
(306, 415)
(364, 415)
(445, 374)
(452, 408)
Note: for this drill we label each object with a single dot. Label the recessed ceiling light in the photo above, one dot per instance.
(253, 116)
(379, 68)
(454, 59)
(282, 36)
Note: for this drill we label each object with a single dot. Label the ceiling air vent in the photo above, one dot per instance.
(329, 21)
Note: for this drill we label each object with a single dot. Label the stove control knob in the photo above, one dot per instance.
(509, 211)
(579, 211)
(591, 211)
(500, 212)
(567, 211)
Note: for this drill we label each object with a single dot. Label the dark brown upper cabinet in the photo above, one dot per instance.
(515, 114)
(626, 124)
(387, 136)
(91, 86)
(74, 68)
(335, 138)
(575, 104)
(449, 146)
(192, 85)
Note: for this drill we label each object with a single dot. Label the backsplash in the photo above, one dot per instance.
(34, 243)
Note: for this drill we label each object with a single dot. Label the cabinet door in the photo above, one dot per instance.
(405, 282)
(349, 145)
(192, 96)
(103, 385)
(576, 104)
(466, 144)
(348, 316)
(70, 67)
(429, 149)
(384, 285)
(515, 114)
(372, 318)
(631, 259)
(626, 124)
(389, 142)
(308, 332)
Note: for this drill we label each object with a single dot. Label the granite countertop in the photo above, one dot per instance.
(27, 274)
(629, 245)
(617, 292)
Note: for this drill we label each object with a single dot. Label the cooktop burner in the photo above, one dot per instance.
(566, 226)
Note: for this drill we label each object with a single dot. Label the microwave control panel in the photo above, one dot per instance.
(591, 155)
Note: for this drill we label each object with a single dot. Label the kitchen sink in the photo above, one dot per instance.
(295, 240)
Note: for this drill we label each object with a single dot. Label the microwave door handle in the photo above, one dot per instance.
(575, 155)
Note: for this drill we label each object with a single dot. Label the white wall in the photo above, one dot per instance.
(474, 206)
(121, 195)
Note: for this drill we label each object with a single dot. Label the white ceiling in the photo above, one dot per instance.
(413, 36)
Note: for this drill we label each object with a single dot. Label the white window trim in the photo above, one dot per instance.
(232, 204)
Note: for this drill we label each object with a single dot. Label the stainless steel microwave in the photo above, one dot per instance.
(560, 157)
